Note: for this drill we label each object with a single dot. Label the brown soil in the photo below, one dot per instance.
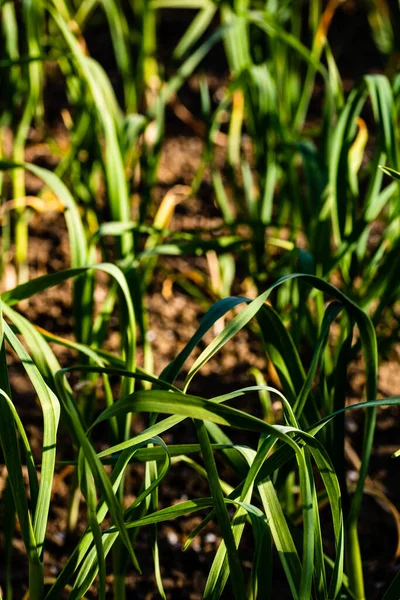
(174, 317)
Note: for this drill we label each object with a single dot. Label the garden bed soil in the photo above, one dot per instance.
(174, 317)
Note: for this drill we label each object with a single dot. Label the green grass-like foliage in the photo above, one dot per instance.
(296, 212)
(308, 436)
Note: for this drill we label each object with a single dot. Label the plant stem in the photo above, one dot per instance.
(36, 579)
(354, 563)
